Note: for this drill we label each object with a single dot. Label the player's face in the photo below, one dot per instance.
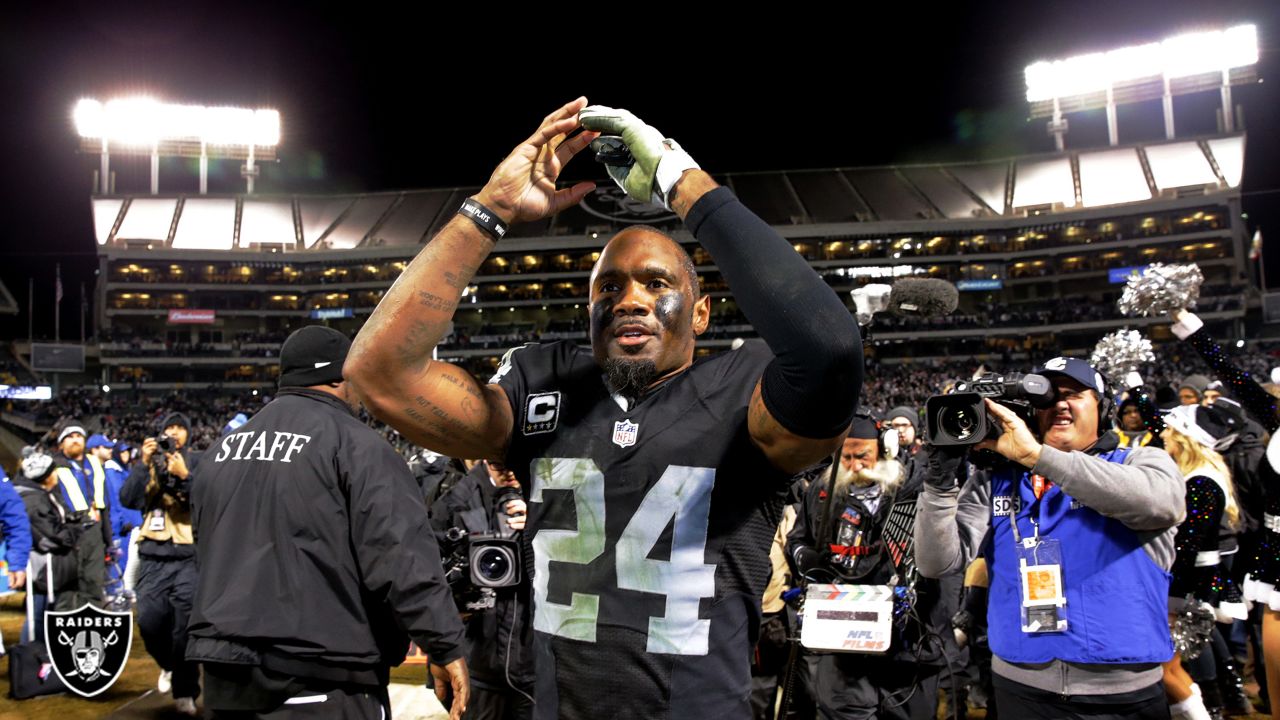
(1072, 422)
(1187, 396)
(1210, 396)
(642, 305)
(859, 454)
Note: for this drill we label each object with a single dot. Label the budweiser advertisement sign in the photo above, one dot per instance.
(191, 317)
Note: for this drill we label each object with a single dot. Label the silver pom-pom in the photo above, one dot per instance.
(1120, 353)
(1161, 289)
(1192, 629)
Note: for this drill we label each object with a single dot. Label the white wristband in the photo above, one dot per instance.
(1188, 323)
(673, 165)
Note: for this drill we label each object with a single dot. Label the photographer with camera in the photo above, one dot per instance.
(159, 487)
(490, 587)
(1081, 546)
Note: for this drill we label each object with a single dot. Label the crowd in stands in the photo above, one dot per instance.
(132, 415)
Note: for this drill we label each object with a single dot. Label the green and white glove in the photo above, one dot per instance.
(659, 162)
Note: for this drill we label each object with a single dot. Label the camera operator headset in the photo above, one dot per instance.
(478, 523)
(159, 487)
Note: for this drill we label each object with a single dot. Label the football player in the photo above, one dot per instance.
(654, 482)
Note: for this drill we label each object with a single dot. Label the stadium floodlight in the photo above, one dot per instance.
(143, 125)
(1183, 64)
(142, 121)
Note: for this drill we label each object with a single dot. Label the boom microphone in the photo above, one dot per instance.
(923, 297)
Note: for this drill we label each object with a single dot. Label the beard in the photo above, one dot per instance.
(888, 474)
(629, 378)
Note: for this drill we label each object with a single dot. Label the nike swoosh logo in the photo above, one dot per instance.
(322, 364)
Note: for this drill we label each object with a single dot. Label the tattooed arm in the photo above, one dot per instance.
(436, 404)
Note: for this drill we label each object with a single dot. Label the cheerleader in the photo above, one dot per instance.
(1260, 585)
(1189, 436)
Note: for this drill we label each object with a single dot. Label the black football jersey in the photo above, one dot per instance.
(649, 529)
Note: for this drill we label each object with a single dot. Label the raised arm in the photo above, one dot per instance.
(436, 404)
(1190, 328)
(805, 399)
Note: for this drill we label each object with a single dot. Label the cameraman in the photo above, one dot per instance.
(843, 539)
(1076, 518)
(159, 486)
(487, 501)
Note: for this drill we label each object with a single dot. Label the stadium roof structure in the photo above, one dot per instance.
(1065, 186)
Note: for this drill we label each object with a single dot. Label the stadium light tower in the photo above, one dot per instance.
(1179, 65)
(143, 126)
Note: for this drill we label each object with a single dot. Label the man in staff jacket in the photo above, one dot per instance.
(317, 563)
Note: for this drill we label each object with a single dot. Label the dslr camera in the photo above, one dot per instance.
(159, 465)
(961, 418)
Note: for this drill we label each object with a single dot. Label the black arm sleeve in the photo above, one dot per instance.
(812, 386)
(1257, 401)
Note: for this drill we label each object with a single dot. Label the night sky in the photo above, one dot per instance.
(386, 98)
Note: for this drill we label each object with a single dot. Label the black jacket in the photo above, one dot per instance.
(471, 504)
(53, 530)
(919, 640)
(133, 495)
(315, 554)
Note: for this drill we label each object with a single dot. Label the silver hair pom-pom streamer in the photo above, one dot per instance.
(1161, 290)
(1119, 353)
(1192, 629)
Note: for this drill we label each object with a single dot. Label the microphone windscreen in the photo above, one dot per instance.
(923, 297)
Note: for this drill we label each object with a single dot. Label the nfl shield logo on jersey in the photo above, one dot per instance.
(88, 647)
(624, 433)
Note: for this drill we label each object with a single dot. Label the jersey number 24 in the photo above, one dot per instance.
(683, 493)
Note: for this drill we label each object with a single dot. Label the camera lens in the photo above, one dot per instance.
(494, 565)
(958, 422)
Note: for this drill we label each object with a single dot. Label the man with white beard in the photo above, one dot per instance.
(901, 683)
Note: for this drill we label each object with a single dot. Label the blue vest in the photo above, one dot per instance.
(1117, 597)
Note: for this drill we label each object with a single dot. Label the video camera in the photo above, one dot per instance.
(961, 418)
(478, 563)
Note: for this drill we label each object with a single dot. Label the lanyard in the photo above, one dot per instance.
(1040, 485)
